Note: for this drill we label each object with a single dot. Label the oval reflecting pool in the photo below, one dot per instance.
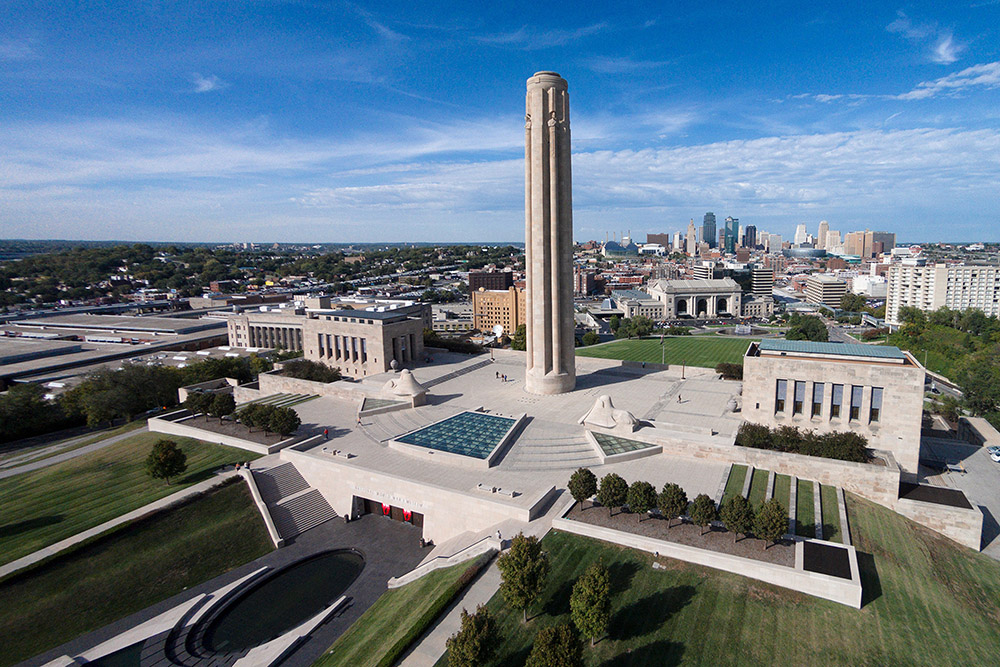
(282, 601)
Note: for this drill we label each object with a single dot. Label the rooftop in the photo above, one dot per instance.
(805, 347)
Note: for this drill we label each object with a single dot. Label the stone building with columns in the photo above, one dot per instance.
(358, 342)
(872, 390)
(701, 298)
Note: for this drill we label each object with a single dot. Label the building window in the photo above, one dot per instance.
(856, 402)
(836, 400)
(779, 400)
(800, 397)
(817, 406)
(876, 410)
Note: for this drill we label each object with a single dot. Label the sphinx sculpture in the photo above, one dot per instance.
(605, 415)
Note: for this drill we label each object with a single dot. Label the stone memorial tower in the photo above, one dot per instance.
(548, 237)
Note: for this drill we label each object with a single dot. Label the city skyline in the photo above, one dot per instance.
(293, 122)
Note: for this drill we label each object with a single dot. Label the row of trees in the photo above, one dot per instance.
(769, 523)
(631, 327)
(314, 371)
(274, 419)
(840, 446)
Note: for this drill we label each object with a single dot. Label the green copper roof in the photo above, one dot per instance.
(839, 349)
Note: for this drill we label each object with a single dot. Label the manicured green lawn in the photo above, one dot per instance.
(394, 614)
(758, 487)
(805, 510)
(128, 570)
(734, 485)
(927, 602)
(44, 506)
(703, 351)
(782, 489)
(831, 513)
(95, 437)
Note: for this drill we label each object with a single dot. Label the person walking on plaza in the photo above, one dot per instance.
(326, 433)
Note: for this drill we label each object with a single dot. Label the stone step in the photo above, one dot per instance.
(279, 482)
(301, 513)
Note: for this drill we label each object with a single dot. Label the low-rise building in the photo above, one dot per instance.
(875, 391)
(825, 290)
(635, 303)
(698, 298)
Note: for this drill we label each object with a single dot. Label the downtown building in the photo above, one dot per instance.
(929, 287)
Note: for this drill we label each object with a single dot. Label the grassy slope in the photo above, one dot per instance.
(734, 485)
(782, 489)
(96, 437)
(386, 621)
(831, 513)
(758, 487)
(805, 509)
(129, 570)
(44, 506)
(928, 602)
(690, 350)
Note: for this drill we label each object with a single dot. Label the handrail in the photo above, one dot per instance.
(272, 530)
(436, 563)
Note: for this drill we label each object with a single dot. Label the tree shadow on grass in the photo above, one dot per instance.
(12, 529)
(658, 654)
(621, 574)
(871, 584)
(649, 613)
(559, 602)
(515, 659)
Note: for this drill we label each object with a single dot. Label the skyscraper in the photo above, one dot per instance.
(824, 229)
(691, 247)
(800, 235)
(551, 361)
(708, 229)
(751, 237)
(732, 232)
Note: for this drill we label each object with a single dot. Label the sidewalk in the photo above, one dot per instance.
(53, 549)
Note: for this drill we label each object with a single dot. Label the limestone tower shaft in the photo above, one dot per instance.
(548, 236)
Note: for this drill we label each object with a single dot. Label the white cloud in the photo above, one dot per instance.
(946, 50)
(206, 84)
(912, 31)
(530, 38)
(986, 75)
(622, 64)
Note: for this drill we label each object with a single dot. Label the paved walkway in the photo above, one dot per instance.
(52, 549)
(59, 458)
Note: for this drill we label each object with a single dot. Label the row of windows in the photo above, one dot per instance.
(855, 396)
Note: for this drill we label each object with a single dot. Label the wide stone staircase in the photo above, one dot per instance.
(295, 507)
(552, 451)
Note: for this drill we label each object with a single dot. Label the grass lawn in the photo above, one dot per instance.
(782, 489)
(128, 570)
(44, 506)
(734, 485)
(95, 437)
(831, 513)
(689, 350)
(387, 622)
(805, 514)
(928, 602)
(758, 487)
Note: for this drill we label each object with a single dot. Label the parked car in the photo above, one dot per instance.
(994, 453)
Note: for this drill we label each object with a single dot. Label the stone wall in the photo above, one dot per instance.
(964, 526)
(447, 512)
(158, 425)
(275, 383)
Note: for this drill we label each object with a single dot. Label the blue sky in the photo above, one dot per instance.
(403, 121)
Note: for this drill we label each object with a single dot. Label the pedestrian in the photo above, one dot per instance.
(678, 398)
(499, 537)
(326, 433)
(247, 465)
(498, 375)
(237, 466)
(359, 420)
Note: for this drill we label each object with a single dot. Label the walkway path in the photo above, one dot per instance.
(53, 549)
(59, 458)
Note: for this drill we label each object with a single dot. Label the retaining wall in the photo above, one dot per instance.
(158, 425)
(965, 526)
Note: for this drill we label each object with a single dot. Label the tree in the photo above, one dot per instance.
(582, 485)
(313, 371)
(853, 303)
(807, 327)
(556, 646)
(738, 516)
(613, 492)
(590, 602)
(283, 421)
(523, 568)
(476, 641)
(672, 502)
(641, 498)
(590, 338)
(614, 323)
(166, 460)
(702, 511)
(222, 405)
(197, 402)
(771, 522)
(520, 339)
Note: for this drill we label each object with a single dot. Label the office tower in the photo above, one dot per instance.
(800, 235)
(551, 360)
(762, 281)
(691, 246)
(821, 235)
(708, 229)
(731, 233)
(888, 240)
(750, 240)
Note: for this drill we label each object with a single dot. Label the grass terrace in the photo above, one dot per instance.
(805, 514)
(927, 602)
(129, 569)
(734, 485)
(45, 506)
(831, 514)
(782, 489)
(758, 487)
(706, 352)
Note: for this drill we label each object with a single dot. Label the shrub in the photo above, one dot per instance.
(283, 421)
(476, 641)
(730, 371)
(556, 646)
(613, 492)
(672, 502)
(590, 338)
(304, 369)
(582, 484)
(702, 511)
(738, 516)
(641, 498)
(840, 446)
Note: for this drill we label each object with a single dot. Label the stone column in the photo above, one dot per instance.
(551, 361)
